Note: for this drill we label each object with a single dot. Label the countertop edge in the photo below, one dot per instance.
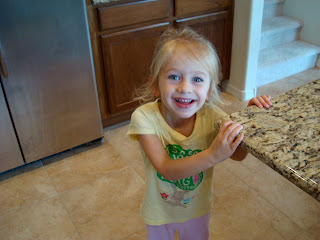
(291, 176)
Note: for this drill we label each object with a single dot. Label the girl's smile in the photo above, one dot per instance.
(184, 103)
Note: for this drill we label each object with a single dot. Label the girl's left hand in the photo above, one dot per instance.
(263, 101)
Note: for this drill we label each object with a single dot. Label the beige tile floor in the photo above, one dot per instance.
(94, 192)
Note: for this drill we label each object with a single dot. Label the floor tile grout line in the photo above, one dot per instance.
(50, 179)
(73, 224)
(216, 192)
(103, 175)
(58, 196)
(299, 234)
(132, 233)
(37, 202)
(250, 171)
(62, 193)
(234, 182)
(109, 174)
(280, 233)
(253, 189)
(34, 203)
(28, 206)
(123, 158)
(117, 150)
(138, 174)
(93, 180)
(87, 183)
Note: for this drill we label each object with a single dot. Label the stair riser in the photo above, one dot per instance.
(272, 10)
(279, 38)
(285, 69)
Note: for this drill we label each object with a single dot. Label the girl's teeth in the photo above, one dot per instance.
(184, 100)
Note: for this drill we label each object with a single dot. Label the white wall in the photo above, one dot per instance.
(246, 39)
(307, 11)
(245, 48)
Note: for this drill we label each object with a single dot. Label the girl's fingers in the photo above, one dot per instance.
(233, 132)
(256, 101)
(236, 143)
(225, 125)
(230, 130)
(267, 98)
(263, 101)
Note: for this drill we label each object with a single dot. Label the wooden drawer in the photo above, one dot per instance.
(184, 7)
(121, 15)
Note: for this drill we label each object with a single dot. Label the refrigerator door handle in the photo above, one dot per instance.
(3, 66)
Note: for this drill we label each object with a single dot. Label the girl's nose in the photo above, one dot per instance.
(184, 87)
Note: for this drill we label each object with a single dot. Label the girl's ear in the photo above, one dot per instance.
(156, 91)
(155, 88)
(210, 91)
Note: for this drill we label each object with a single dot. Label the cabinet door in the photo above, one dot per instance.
(217, 28)
(127, 56)
(10, 155)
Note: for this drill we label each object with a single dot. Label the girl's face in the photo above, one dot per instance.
(183, 86)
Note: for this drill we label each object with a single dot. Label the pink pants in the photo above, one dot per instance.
(197, 228)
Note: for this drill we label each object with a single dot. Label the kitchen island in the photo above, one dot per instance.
(286, 136)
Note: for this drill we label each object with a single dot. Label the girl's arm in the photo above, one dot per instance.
(263, 101)
(222, 147)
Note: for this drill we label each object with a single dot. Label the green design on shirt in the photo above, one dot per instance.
(190, 183)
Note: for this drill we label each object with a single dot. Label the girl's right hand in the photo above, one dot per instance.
(227, 141)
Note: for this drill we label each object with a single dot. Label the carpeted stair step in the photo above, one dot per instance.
(279, 30)
(284, 60)
(272, 8)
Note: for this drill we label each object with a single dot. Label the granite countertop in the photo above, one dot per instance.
(287, 135)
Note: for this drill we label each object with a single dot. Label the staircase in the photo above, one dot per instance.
(281, 53)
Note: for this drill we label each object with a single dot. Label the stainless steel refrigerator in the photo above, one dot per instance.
(48, 97)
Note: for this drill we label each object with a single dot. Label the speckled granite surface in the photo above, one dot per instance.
(287, 136)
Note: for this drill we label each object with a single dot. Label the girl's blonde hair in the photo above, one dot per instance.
(199, 49)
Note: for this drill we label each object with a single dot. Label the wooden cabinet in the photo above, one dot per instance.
(124, 35)
(127, 56)
(216, 28)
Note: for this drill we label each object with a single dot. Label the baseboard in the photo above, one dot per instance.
(241, 94)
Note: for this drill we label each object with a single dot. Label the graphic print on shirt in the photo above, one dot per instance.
(182, 186)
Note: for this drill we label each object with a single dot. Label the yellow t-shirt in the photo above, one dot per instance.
(168, 201)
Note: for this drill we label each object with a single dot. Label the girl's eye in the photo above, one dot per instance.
(196, 79)
(174, 77)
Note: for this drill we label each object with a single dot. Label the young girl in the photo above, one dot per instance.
(177, 137)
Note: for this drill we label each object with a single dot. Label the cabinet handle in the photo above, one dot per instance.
(3, 66)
